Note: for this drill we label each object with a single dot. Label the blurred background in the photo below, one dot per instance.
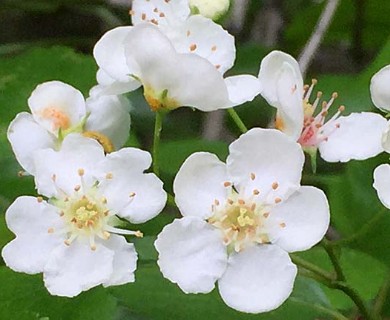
(44, 40)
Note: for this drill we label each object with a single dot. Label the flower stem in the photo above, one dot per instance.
(338, 281)
(341, 284)
(333, 313)
(355, 297)
(237, 120)
(311, 267)
(383, 294)
(334, 259)
(156, 141)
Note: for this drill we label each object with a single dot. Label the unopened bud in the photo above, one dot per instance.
(210, 9)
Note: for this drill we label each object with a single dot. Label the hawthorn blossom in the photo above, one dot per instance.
(380, 96)
(58, 109)
(196, 34)
(73, 236)
(171, 74)
(240, 221)
(338, 138)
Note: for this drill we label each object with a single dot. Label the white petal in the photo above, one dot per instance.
(191, 254)
(258, 279)
(132, 194)
(382, 183)
(160, 12)
(110, 116)
(109, 54)
(380, 89)
(187, 79)
(270, 69)
(359, 138)
(30, 221)
(56, 105)
(290, 113)
(109, 86)
(261, 157)
(76, 268)
(125, 261)
(26, 136)
(123, 161)
(305, 217)
(148, 202)
(203, 37)
(77, 152)
(135, 196)
(386, 138)
(242, 88)
(199, 182)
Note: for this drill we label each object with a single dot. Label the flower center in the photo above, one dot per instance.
(315, 128)
(245, 220)
(59, 118)
(86, 214)
(159, 101)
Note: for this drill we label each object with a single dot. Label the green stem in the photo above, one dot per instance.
(156, 142)
(334, 259)
(362, 231)
(312, 271)
(333, 313)
(311, 267)
(355, 297)
(341, 283)
(237, 120)
(381, 298)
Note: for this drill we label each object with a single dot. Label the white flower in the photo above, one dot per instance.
(338, 138)
(380, 95)
(196, 34)
(58, 109)
(160, 12)
(210, 9)
(380, 89)
(382, 183)
(239, 221)
(72, 238)
(171, 75)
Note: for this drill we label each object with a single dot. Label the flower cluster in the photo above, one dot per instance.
(240, 219)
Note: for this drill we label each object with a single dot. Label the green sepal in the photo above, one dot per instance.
(312, 152)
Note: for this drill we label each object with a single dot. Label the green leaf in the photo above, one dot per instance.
(173, 153)
(156, 298)
(24, 297)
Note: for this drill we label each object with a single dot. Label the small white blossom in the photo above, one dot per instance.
(58, 109)
(380, 95)
(196, 34)
(382, 183)
(72, 237)
(143, 55)
(338, 138)
(240, 220)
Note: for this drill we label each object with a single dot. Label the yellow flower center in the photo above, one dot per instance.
(86, 214)
(244, 220)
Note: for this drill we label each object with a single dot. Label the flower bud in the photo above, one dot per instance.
(212, 9)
